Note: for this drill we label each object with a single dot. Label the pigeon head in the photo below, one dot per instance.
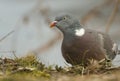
(65, 22)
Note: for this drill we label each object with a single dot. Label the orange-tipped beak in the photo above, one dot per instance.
(53, 24)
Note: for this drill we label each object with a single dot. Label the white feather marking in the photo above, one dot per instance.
(101, 40)
(80, 32)
(115, 48)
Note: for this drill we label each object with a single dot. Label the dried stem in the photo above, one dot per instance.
(6, 51)
(48, 44)
(112, 17)
(95, 11)
(6, 36)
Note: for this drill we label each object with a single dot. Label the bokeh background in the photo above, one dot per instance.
(24, 26)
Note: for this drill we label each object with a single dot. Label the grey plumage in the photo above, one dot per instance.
(90, 44)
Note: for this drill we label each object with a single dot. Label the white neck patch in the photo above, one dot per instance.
(80, 32)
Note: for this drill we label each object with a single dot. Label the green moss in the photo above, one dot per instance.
(29, 60)
(28, 68)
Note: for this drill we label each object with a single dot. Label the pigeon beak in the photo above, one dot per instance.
(53, 24)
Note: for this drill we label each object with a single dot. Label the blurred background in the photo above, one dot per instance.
(24, 26)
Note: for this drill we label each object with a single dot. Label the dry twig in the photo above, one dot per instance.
(95, 11)
(112, 16)
(6, 36)
(48, 44)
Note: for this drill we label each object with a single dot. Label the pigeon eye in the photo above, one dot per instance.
(65, 18)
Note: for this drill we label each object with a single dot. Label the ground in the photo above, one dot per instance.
(30, 69)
